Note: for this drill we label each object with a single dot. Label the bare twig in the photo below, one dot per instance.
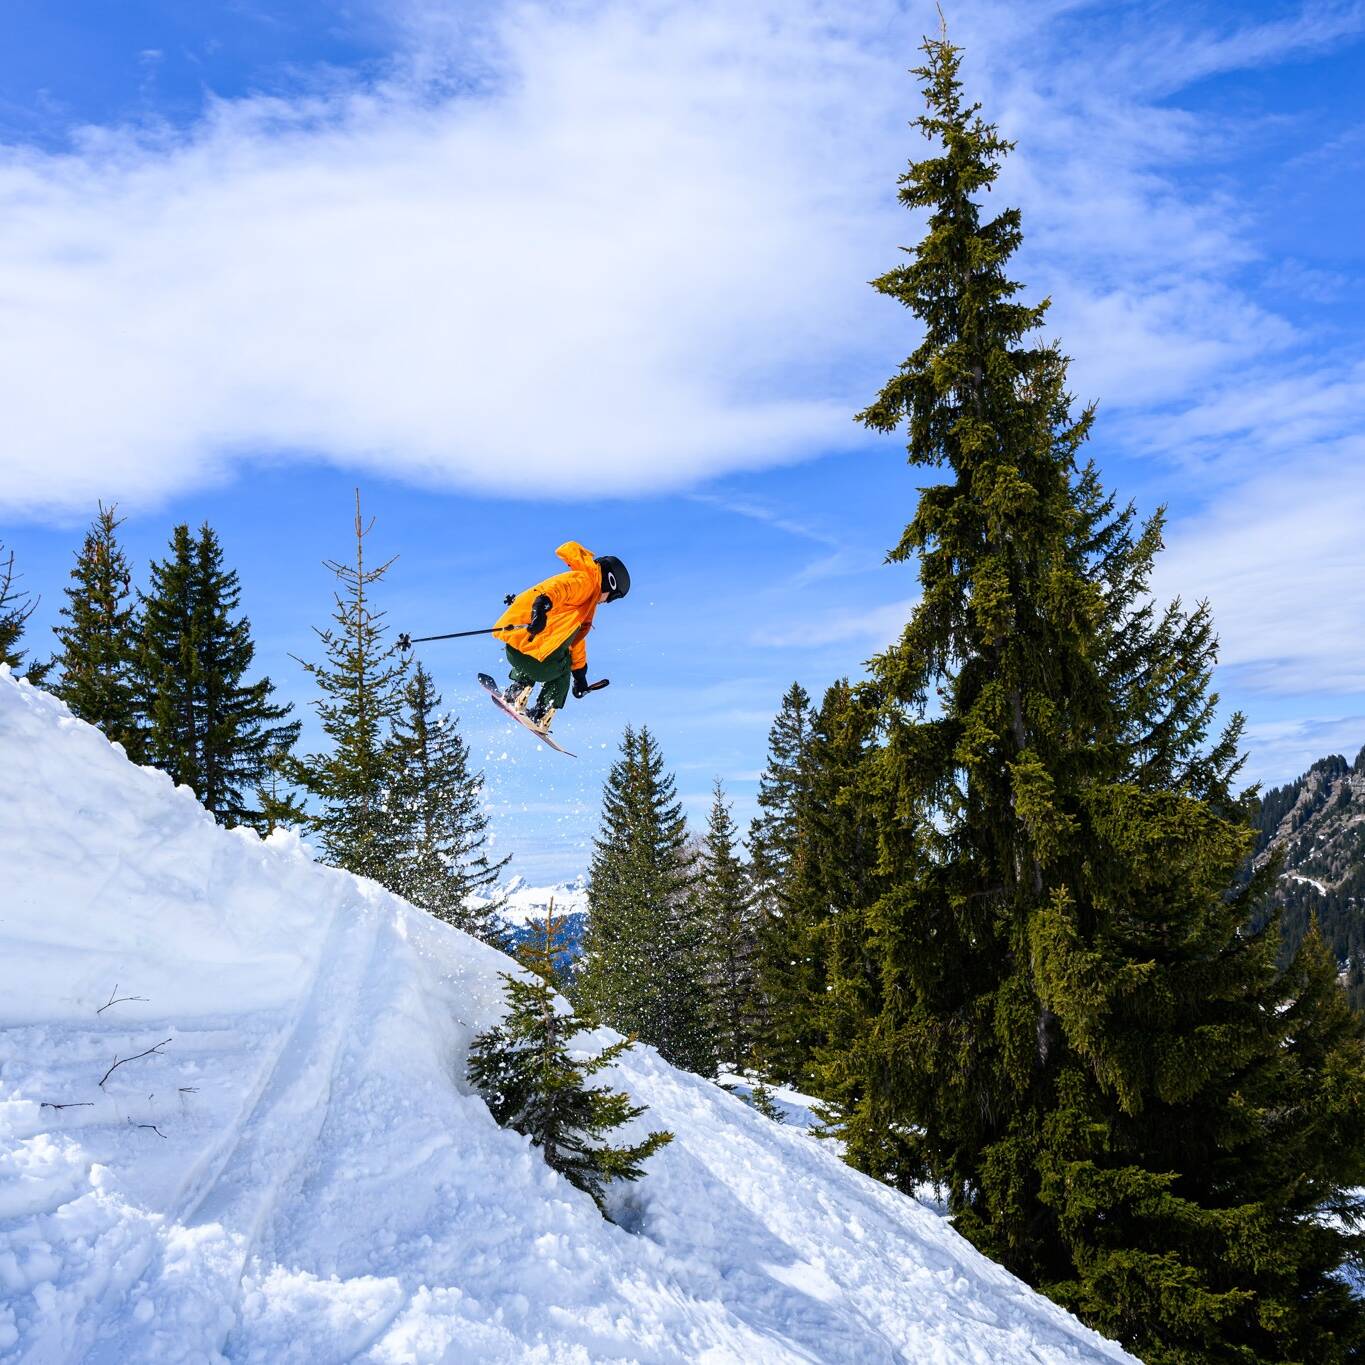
(122, 999)
(189, 1089)
(119, 1061)
(83, 1104)
(153, 1127)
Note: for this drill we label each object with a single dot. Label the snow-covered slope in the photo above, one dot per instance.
(296, 1171)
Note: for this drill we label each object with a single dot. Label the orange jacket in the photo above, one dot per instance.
(573, 600)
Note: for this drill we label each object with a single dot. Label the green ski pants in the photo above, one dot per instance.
(553, 674)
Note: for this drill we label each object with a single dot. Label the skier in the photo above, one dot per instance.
(553, 650)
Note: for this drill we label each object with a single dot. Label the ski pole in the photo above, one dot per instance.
(406, 641)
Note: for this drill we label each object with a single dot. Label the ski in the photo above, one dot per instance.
(495, 696)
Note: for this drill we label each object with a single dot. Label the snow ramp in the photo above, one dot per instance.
(286, 1164)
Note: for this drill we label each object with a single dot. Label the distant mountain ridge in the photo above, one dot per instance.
(523, 904)
(524, 909)
(1317, 826)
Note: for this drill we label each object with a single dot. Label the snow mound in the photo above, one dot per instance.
(294, 1169)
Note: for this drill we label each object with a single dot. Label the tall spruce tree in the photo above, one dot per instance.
(643, 954)
(726, 920)
(361, 681)
(245, 732)
(16, 606)
(207, 726)
(774, 836)
(1076, 1029)
(773, 832)
(97, 659)
(441, 857)
(820, 996)
(169, 673)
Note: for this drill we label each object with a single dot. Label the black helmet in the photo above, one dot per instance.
(615, 579)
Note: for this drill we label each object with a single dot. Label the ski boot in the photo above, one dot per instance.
(516, 695)
(540, 715)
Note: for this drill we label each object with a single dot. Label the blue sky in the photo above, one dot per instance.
(598, 270)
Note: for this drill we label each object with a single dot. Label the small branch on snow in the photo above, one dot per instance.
(189, 1089)
(122, 999)
(119, 1061)
(83, 1104)
(153, 1127)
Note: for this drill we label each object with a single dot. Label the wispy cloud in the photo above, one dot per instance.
(841, 558)
(1282, 560)
(872, 626)
(1286, 749)
(767, 516)
(1163, 60)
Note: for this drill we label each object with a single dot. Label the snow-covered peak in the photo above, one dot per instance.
(522, 903)
(234, 1126)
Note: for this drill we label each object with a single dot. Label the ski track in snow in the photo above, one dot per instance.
(315, 1182)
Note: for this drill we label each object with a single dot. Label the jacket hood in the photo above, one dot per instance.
(576, 557)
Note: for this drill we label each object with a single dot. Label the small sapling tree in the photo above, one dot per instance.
(532, 1083)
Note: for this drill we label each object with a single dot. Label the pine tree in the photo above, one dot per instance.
(643, 961)
(827, 990)
(169, 676)
(441, 859)
(725, 916)
(1075, 1029)
(361, 680)
(760, 1097)
(544, 950)
(15, 608)
(98, 648)
(206, 726)
(280, 805)
(245, 733)
(774, 836)
(773, 833)
(532, 1082)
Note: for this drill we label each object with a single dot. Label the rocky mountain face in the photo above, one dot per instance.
(1317, 827)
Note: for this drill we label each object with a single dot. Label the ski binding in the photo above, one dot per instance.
(490, 686)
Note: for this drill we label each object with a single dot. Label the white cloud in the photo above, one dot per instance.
(600, 247)
(1281, 558)
(610, 272)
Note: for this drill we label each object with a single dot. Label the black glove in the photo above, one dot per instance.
(540, 611)
(581, 685)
